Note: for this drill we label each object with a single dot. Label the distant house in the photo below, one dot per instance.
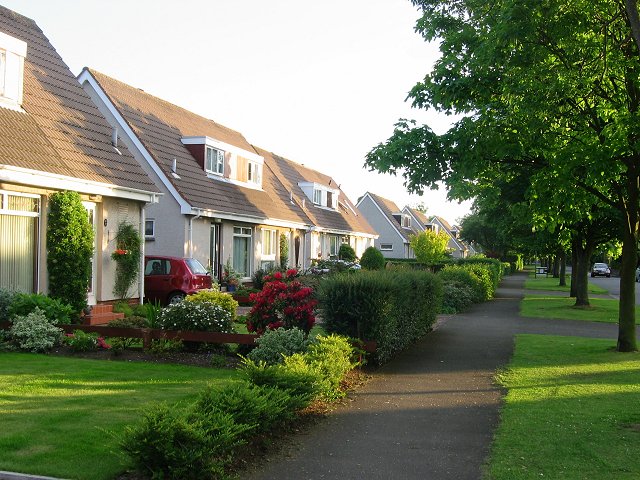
(224, 200)
(394, 226)
(53, 138)
(456, 246)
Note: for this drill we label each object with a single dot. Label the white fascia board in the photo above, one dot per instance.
(227, 147)
(37, 178)
(13, 44)
(404, 239)
(333, 231)
(246, 219)
(86, 77)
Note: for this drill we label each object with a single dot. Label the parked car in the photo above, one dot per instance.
(600, 269)
(638, 274)
(170, 279)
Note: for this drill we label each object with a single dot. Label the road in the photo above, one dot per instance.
(613, 285)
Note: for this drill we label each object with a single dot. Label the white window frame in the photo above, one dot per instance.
(152, 235)
(272, 236)
(317, 196)
(386, 247)
(3, 71)
(245, 232)
(254, 173)
(406, 221)
(209, 166)
(334, 244)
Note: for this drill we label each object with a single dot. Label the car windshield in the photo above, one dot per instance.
(600, 265)
(195, 266)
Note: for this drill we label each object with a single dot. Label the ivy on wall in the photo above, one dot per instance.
(127, 257)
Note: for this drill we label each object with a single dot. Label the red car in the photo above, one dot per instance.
(170, 279)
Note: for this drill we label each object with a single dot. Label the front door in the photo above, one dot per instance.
(93, 279)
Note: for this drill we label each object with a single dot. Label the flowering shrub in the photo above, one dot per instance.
(197, 316)
(80, 341)
(34, 332)
(283, 302)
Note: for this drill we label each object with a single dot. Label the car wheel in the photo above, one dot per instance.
(593, 275)
(609, 276)
(176, 297)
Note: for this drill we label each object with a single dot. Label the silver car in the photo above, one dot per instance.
(600, 269)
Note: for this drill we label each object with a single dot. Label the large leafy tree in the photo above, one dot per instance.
(551, 86)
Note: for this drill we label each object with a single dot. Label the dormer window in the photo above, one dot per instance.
(317, 196)
(12, 55)
(320, 195)
(406, 221)
(214, 161)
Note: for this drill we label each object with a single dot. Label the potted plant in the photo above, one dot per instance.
(230, 278)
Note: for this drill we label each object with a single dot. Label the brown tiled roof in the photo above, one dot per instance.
(388, 207)
(160, 126)
(346, 218)
(444, 223)
(62, 131)
(419, 215)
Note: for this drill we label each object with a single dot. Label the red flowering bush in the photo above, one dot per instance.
(283, 302)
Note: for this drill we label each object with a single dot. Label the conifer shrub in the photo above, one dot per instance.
(347, 253)
(69, 249)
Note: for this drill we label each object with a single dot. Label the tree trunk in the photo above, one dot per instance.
(574, 268)
(583, 257)
(627, 312)
(634, 20)
(563, 268)
(556, 266)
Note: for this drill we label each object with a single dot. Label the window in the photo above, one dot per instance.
(386, 246)
(214, 161)
(268, 242)
(149, 229)
(406, 221)
(334, 244)
(317, 196)
(241, 262)
(254, 175)
(3, 70)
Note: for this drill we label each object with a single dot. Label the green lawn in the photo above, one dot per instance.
(56, 412)
(601, 309)
(570, 412)
(552, 284)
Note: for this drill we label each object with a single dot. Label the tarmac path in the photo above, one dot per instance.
(431, 412)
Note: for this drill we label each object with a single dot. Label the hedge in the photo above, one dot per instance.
(393, 308)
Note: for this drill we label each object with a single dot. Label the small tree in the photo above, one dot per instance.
(429, 246)
(347, 253)
(372, 259)
(69, 249)
(127, 258)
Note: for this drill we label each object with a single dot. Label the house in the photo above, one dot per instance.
(334, 219)
(456, 246)
(393, 225)
(53, 138)
(224, 200)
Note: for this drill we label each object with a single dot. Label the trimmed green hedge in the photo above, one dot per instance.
(394, 308)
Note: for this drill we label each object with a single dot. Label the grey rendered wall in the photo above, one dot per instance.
(386, 232)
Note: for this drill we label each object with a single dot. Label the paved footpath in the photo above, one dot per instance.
(431, 412)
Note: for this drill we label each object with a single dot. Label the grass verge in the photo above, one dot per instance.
(57, 412)
(541, 306)
(569, 412)
(551, 284)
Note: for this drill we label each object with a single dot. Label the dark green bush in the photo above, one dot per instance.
(262, 408)
(127, 258)
(294, 376)
(394, 308)
(173, 443)
(464, 276)
(492, 265)
(82, 341)
(456, 297)
(274, 345)
(331, 355)
(53, 309)
(347, 253)
(69, 249)
(372, 259)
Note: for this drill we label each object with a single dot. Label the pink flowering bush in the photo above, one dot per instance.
(283, 302)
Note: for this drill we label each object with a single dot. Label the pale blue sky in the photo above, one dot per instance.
(320, 83)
